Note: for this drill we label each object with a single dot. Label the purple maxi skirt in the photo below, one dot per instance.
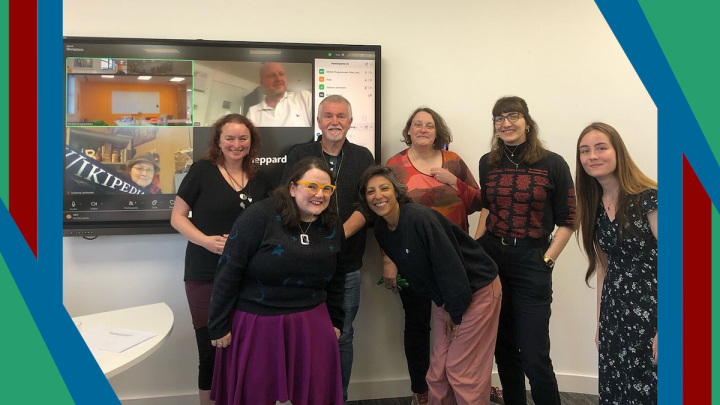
(282, 358)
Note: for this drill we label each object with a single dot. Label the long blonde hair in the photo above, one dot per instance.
(589, 193)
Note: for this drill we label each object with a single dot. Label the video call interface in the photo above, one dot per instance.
(139, 115)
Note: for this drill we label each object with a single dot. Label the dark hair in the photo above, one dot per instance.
(443, 135)
(533, 150)
(588, 192)
(214, 153)
(288, 209)
(387, 172)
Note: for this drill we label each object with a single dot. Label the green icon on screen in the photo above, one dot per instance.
(322, 87)
(322, 71)
(329, 53)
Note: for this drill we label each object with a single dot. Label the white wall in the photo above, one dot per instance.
(456, 57)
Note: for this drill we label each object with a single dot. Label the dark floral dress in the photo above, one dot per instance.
(628, 307)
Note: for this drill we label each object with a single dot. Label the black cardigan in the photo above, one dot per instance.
(438, 258)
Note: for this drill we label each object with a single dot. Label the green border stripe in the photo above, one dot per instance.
(4, 101)
(684, 31)
(34, 378)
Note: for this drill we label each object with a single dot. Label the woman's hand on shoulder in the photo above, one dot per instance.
(337, 333)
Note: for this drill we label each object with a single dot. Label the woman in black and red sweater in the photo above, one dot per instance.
(527, 192)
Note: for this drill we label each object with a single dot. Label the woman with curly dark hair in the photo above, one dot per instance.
(276, 312)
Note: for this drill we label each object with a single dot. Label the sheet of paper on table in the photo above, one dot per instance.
(115, 340)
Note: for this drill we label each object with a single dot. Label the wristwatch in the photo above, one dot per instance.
(549, 261)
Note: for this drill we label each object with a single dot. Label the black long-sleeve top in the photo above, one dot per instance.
(527, 201)
(266, 270)
(438, 259)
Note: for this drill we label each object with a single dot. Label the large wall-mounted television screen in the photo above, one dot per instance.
(138, 114)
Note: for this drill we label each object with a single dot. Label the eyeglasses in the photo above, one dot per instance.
(512, 117)
(141, 170)
(313, 187)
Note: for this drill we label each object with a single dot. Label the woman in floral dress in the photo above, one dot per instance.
(617, 220)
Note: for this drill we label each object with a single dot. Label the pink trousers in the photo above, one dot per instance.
(461, 369)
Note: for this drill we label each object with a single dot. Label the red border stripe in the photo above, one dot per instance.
(23, 113)
(697, 289)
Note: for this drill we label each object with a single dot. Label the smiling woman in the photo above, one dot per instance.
(438, 179)
(527, 192)
(277, 298)
(442, 263)
(217, 190)
(617, 222)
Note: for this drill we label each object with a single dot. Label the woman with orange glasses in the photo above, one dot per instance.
(276, 311)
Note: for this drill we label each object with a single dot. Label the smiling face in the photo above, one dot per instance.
(234, 141)
(597, 155)
(422, 131)
(310, 205)
(142, 173)
(272, 78)
(512, 133)
(334, 121)
(381, 198)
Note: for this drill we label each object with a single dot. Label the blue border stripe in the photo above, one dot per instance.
(83, 377)
(677, 130)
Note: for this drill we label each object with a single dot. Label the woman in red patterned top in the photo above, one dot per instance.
(440, 180)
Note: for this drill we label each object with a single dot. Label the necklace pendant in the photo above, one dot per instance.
(249, 198)
(243, 196)
(242, 205)
(304, 239)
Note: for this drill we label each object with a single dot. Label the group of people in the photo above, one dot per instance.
(272, 276)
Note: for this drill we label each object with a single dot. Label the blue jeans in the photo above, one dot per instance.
(351, 303)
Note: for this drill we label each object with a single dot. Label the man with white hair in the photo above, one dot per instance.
(279, 107)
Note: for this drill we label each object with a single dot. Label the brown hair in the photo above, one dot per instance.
(589, 193)
(443, 135)
(533, 150)
(384, 171)
(214, 153)
(288, 209)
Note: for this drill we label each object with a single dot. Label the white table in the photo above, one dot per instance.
(155, 318)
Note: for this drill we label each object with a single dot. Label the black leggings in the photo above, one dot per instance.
(206, 352)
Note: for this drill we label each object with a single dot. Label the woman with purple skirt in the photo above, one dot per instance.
(276, 310)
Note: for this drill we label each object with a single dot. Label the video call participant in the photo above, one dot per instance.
(347, 161)
(442, 262)
(440, 180)
(526, 191)
(279, 107)
(144, 172)
(276, 311)
(216, 189)
(617, 221)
